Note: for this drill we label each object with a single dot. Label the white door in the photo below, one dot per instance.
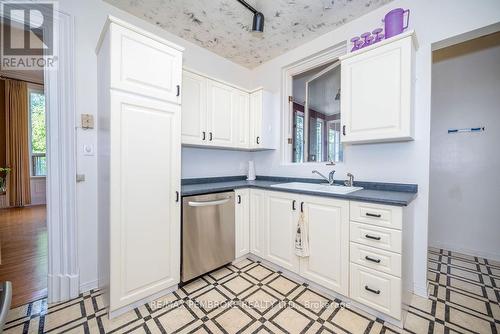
(256, 102)
(328, 262)
(145, 211)
(242, 222)
(257, 216)
(220, 114)
(281, 224)
(241, 110)
(376, 103)
(194, 109)
(145, 66)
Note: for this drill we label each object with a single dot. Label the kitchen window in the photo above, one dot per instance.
(315, 111)
(38, 135)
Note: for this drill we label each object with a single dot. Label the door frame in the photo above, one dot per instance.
(59, 85)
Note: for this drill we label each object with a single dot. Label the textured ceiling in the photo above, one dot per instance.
(223, 26)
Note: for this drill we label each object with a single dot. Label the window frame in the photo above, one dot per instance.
(321, 58)
(34, 88)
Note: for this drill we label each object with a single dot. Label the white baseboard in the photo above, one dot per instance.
(466, 251)
(85, 287)
(63, 287)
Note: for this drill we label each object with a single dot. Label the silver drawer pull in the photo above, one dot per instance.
(368, 236)
(377, 292)
(372, 259)
(373, 215)
(210, 203)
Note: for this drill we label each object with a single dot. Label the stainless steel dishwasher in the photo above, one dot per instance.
(207, 233)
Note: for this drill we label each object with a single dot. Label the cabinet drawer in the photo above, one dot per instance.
(377, 290)
(379, 237)
(377, 259)
(376, 214)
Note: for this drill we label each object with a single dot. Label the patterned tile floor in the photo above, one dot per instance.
(251, 298)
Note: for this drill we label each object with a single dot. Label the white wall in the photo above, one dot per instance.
(89, 17)
(394, 162)
(464, 182)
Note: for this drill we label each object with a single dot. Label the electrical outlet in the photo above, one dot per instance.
(87, 121)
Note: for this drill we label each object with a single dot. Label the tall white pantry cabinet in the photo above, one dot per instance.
(139, 155)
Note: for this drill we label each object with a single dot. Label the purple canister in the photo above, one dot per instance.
(394, 22)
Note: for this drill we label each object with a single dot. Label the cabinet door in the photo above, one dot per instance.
(194, 109)
(376, 99)
(256, 101)
(142, 65)
(241, 111)
(145, 151)
(281, 224)
(257, 216)
(220, 114)
(242, 222)
(328, 262)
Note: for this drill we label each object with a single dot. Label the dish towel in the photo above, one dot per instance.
(302, 237)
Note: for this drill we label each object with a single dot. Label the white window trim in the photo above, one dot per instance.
(321, 58)
(37, 89)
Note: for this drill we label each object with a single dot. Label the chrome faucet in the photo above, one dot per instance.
(350, 181)
(330, 179)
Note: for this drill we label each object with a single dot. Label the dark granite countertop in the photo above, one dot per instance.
(383, 193)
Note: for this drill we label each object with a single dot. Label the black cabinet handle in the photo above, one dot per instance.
(293, 205)
(377, 292)
(177, 196)
(178, 90)
(372, 259)
(211, 137)
(372, 237)
(343, 130)
(258, 140)
(373, 215)
(204, 135)
(302, 207)
(239, 199)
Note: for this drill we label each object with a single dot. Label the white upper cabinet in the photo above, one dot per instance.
(144, 64)
(220, 115)
(377, 91)
(264, 130)
(241, 117)
(194, 108)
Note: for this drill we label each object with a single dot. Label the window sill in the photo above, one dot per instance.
(38, 177)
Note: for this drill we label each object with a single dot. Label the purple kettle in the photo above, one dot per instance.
(394, 22)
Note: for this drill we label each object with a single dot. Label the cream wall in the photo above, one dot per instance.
(433, 21)
(89, 17)
(464, 182)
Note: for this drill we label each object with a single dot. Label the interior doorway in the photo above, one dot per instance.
(465, 158)
(23, 172)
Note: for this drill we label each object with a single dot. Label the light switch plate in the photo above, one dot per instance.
(87, 121)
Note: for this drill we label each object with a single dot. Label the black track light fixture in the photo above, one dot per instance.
(258, 17)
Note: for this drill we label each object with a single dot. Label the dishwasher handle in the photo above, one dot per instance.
(210, 203)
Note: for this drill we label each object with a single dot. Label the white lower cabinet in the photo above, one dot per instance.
(280, 223)
(328, 261)
(257, 214)
(349, 252)
(242, 222)
(377, 290)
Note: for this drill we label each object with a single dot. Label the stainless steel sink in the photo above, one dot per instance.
(317, 187)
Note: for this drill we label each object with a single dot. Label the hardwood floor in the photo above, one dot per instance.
(23, 242)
